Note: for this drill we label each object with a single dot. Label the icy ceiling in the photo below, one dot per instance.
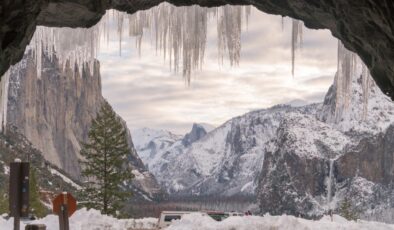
(180, 35)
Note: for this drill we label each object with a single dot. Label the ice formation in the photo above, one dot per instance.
(71, 46)
(366, 85)
(180, 33)
(346, 68)
(4, 98)
(296, 40)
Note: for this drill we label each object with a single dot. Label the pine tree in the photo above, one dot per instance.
(346, 210)
(3, 202)
(105, 166)
(36, 206)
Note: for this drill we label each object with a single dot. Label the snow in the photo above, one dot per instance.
(311, 131)
(6, 169)
(84, 219)
(197, 221)
(138, 175)
(65, 178)
(359, 104)
(250, 183)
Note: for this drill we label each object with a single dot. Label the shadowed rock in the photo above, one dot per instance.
(364, 26)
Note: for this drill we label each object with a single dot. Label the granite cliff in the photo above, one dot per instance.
(54, 111)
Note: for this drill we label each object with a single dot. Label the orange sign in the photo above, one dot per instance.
(64, 199)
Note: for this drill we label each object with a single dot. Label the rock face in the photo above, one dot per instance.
(296, 160)
(196, 134)
(225, 161)
(353, 22)
(51, 179)
(54, 111)
(309, 172)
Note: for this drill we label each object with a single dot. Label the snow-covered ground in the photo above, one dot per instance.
(93, 220)
(198, 222)
(88, 220)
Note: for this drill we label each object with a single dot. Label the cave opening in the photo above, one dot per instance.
(132, 71)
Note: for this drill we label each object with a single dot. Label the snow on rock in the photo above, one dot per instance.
(65, 178)
(366, 108)
(198, 221)
(84, 219)
(149, 142)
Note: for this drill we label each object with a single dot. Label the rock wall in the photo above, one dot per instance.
(353, 22)
(54, 111)
(317, 162)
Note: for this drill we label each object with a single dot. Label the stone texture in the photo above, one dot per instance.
(195, 134)
(364, 26)
(54, 112)
(372, 159)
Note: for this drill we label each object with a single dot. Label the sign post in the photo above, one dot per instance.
(19, 191)
(64, 205)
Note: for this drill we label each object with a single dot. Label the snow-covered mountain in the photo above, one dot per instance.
(292, 158)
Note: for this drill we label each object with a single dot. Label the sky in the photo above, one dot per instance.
(146, 93)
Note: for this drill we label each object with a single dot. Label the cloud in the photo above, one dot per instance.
(146, 93)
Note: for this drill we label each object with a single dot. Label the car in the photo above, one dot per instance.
(235, 214)
(166, 217)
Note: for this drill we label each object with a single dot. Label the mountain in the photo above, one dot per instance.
(54, 110)
(300, 160)
(311, 169)
(225, 161)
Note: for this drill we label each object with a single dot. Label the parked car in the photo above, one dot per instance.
(235, 214)
(166, 217)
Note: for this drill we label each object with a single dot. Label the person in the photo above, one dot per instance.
(249, 213)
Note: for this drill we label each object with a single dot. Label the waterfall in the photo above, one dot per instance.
(329, 184)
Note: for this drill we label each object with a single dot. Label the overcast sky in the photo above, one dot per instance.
(146, 93)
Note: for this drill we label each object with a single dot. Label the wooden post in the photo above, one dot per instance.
(63, 215)
(19, 191)
(17, 222)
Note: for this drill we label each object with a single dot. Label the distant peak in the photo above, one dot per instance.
(198, 131)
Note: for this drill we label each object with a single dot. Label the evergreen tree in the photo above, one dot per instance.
(36, 206)
(346, 210)
(105, 166)
(3, 202)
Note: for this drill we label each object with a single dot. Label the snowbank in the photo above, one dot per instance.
(196, 221)
(89, 220)
(93, 220)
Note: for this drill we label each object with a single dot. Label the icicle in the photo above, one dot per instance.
(180, 33)
(120, 18)
(4, 99)
(365, 82)
(345, 70)
(296, 41)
